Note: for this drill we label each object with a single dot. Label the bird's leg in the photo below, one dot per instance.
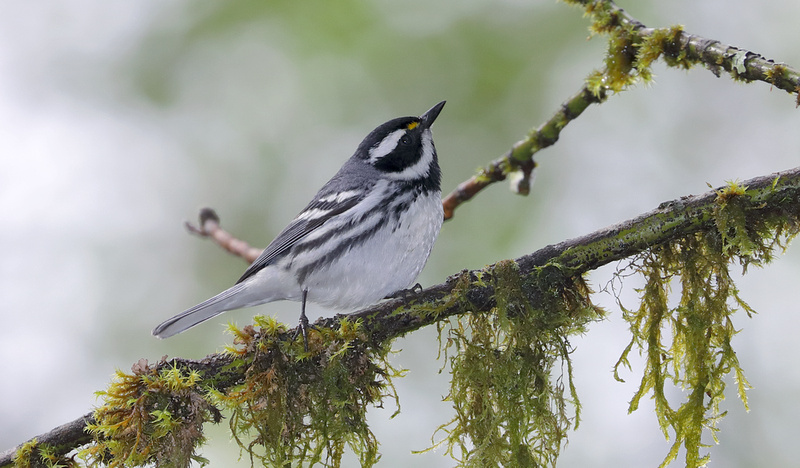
(403, 293)
(303, 327)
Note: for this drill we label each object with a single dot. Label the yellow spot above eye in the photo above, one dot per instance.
(412, 125)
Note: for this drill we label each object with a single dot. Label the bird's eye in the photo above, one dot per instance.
(405, 140)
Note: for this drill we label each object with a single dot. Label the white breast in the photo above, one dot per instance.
(387, 262)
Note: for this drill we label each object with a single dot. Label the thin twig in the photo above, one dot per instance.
(209, 227)
(520, 156)
(742, 65)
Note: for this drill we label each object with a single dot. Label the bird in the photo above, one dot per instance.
(365, 236)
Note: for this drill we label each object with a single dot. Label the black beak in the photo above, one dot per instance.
(426, 119)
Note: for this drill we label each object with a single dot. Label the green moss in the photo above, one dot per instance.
(631, 52)
(777, 73)
(603, 17)
(294, 407)
(22, 459)
(674, 53)
(595, 83)
(150, 417)
(619, 72)
(308, 407)
(690, 343)
(512, 405)
(662, 42)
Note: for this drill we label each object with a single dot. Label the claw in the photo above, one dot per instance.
(303, 326)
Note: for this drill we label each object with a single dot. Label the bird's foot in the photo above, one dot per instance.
(303, 328)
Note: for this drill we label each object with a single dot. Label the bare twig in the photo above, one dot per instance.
(209, 227)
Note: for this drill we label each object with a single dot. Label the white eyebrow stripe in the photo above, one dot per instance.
(386, 146)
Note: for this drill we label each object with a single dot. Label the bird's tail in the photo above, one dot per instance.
(231, 298)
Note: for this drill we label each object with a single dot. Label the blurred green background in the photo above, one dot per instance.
(119, 120)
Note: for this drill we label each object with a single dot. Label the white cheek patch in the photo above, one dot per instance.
(421, 168)
(386, 146)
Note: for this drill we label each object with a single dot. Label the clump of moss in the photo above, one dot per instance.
(307, 407)
(293, 406)
(36, 454)
(24, 455)
(150, 417)
(511, 400)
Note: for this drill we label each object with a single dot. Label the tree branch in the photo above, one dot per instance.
(64, 438)
(681, 48)
(775, 194)
(677, 47)
(740, 63)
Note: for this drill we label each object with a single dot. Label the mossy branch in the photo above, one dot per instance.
(643, 45)
(633, 48)
(769, 199)
(520, 157)
(776, 195)
(59, 441)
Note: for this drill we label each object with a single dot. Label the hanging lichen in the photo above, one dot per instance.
(297, 407)
(510, 398)
(689, 343)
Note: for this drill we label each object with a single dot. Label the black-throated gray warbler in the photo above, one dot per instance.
(366, 234)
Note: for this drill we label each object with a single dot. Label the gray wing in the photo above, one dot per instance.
(297, 230)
